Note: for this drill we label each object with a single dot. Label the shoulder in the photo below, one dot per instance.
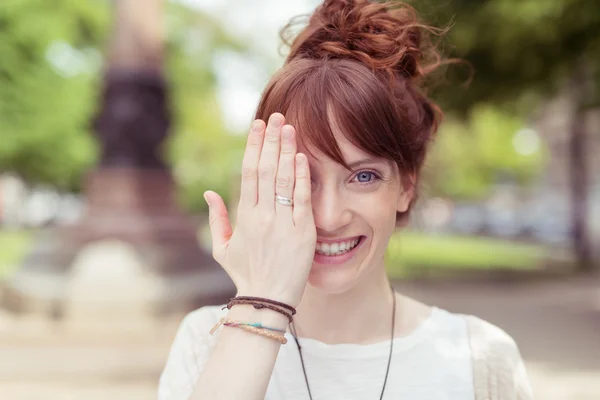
(489, 340)
(497, 361)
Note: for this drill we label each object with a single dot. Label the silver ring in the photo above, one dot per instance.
(284, 200)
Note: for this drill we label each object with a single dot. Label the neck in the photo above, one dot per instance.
(360, 315)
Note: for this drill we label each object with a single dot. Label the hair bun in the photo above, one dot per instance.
(385, 37)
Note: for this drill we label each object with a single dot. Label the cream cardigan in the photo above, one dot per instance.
(498, 369)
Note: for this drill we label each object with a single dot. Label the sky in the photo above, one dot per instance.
(241, 80)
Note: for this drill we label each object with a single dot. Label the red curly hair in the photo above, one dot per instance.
(364, 64)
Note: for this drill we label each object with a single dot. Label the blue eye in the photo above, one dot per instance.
(366, 176)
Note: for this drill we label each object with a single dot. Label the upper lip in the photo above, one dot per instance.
(329, 241)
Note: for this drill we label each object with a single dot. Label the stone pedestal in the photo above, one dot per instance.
(134, 254)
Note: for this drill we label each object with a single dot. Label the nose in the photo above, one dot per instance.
(330, 211)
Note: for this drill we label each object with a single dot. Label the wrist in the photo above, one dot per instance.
(281, 297)
(247, 313)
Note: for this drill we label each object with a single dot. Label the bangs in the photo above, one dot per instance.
(318, 98)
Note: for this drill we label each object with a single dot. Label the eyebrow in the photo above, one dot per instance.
(363, 161)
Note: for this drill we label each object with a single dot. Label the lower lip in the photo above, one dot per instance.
(339, 259)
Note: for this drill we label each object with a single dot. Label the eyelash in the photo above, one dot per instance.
(376, 177)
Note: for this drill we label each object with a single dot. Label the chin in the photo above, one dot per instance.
(332, 280)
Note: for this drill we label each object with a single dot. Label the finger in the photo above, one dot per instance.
(284, 183)
(302, 191)
(218, 219)
(249, 186)
(269, 158)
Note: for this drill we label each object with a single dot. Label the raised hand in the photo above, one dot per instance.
(270, 251)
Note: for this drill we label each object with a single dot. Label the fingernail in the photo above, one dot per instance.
(206, 199)
(276, 120)
(256, 125)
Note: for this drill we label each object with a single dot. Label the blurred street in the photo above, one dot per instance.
(556, 324)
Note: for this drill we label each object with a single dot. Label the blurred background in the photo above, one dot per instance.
(115, 117)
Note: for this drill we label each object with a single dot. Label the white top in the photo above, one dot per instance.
(432, 363)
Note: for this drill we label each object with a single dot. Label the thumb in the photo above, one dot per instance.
(218, 219)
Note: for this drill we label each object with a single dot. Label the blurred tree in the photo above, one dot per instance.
(202, 153)
(521, 52)
(49, 64)
(470, 155)
(50, 75)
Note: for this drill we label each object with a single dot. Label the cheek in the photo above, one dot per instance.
(377, 208)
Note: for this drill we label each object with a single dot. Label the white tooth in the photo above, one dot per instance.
(348, 245)
(325, 248)
(343, 247)
(319, 246)
(334, 248)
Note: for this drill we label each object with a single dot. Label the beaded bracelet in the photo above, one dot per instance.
(252, 329)
(256, 325)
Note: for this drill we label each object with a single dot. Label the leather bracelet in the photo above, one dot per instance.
(265, 300)
(257, 305)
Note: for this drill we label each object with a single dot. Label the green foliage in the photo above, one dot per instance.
(50, 77)
(49, 65)
(520, 50)
(469, 156)
(13, 245)
(203, 155)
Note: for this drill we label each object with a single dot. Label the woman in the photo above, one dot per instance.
(325, 182)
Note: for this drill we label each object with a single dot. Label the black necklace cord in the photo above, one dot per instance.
(387, 370)
(293, 329)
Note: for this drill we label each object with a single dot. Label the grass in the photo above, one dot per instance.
(13, 245)
(411, 253)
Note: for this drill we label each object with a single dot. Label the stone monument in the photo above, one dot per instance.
(134, 252)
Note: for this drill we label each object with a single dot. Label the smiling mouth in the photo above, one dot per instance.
(338, 248)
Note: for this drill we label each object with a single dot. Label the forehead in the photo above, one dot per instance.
(349, 151)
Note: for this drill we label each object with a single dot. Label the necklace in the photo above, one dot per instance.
(387, 370)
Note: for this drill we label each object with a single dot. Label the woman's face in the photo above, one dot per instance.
(355, 215)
